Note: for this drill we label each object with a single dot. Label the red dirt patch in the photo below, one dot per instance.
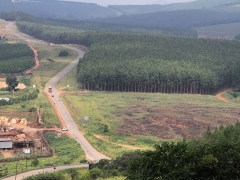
(36, 61)
(219, 95)
(175, 122)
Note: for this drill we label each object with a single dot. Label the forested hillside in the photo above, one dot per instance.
(15, 58)
(57, 9)
(177, 19)
(137, 9)
(197, 4)
(94, 26)
(160, 64)
(147, 63)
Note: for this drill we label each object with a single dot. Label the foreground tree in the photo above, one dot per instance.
(12, 83)
(212, 160)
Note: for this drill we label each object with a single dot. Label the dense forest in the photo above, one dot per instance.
(177, 19)
(15, 58)
(147, 63)
(198, 4)
(96, 26)
(57, 9)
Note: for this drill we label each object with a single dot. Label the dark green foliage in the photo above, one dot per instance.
(34, 161)
(234, 94)
(58, 9)
(46, 176)
(105, 128)
(184, 161)
(137, 9)
(148, 63)
(33, 109)
(12, 83)
(93, 26)
(95, 173)
(63, 53)
(215, 156)
(73, 173)
(25, 80)
(115, 167)
(15, 58)
(3, 171)
(198, 4)
(237, 37)
(178, 19)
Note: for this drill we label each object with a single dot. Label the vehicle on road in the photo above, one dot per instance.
(59, 99)
(64, 129)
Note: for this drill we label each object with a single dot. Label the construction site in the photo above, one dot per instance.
(18, 139)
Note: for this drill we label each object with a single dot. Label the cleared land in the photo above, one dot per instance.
(221, 31)
(165, 116)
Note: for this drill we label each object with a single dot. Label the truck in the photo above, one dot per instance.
(49, 89)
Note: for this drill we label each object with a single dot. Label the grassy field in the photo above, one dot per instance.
(69, 81)
(223, 31)
(141, 119)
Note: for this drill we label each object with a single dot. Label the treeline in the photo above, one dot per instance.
(15, 58)
(177, 19)
(96, 26)
(237, 37)
(147, 63)
(215, 156)
(198, 4)
(58, 9)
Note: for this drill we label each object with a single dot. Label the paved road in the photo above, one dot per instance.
(91, 153)
(51, 169)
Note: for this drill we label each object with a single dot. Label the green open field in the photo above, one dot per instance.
(141, 119)
(221, 31)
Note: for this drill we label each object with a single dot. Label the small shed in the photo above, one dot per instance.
(6, 143)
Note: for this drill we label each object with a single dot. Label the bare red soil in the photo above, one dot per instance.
(36, 60)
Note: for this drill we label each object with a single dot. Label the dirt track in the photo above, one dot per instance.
(36, 60)
(219, 95)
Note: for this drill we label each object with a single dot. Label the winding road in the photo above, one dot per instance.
(91, 153)
(43, 170)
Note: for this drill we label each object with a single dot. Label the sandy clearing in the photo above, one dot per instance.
(20, 85)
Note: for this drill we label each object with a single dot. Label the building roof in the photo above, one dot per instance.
(5, 139)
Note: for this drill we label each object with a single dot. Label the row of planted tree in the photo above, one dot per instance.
(15, 58)
(148, 63)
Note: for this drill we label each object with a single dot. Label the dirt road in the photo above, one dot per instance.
(91, 153)
(219, 95)
(59, 107)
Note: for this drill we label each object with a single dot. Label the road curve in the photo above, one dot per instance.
(91, 153)
(43, 170)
